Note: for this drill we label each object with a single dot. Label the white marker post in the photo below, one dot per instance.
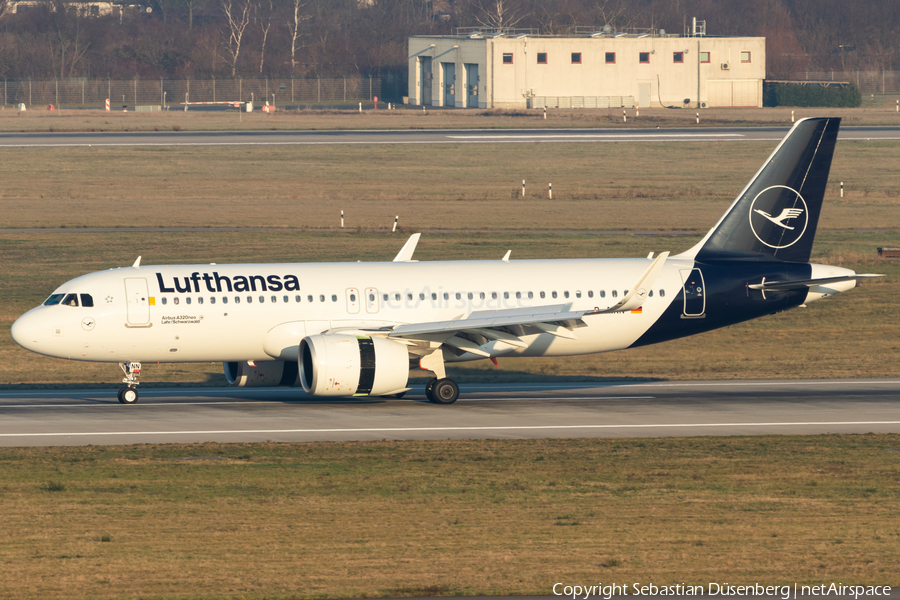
(107, 105)
(342, 219)
(898, 105)
(550, 191)
(545, 113)
(523, 188)
(842, 189)
(698, 118)
(395, 223)
(792, 116)
(360, 107)
(624, 117)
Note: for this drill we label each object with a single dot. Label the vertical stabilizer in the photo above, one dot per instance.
(776, 215)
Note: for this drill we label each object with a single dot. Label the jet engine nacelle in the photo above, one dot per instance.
(271, 373)
(348, 365)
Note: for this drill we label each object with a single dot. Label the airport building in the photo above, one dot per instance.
(509, 68)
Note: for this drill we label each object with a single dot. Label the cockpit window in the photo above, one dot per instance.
(54, 300)
(70, 300)
(87, 300)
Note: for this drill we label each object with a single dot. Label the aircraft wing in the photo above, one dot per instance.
(800, 284)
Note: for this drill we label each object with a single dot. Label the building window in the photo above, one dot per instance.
(576, 58)
(704, 57)
(610, 58)
(745, 57)
(507, 58)
(542, 58)
(644, 58)
(678, 57)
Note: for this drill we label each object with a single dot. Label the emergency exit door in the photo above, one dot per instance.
(694, 294)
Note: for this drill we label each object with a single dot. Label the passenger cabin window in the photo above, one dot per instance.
(212, 300)
(553, 294)
(434, 295)
(165, 301)
(615, 294)
(321, 297)
(200, 300)
(662, 293)
(175, 300)
(297, 298)
(530, 295)
(352, 297)
(577, 293)
(237, 299)
(446, 296)
(334, 297)
(309, 298)
(187, 300)
(87, 300)
(603, 293)
(458, 296)
(566, 294)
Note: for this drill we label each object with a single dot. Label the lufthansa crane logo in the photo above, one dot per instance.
(779, 216)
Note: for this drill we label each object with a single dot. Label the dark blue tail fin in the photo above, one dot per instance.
(776, 215)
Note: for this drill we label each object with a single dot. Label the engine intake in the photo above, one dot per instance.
(264, 374)
(349, 365)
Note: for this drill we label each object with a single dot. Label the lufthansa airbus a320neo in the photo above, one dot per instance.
(357, 329)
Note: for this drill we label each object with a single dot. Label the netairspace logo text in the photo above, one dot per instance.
(785, 592)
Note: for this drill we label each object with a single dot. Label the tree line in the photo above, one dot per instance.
(203, 39)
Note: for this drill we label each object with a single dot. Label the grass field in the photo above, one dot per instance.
(852, 335)
(39, 119)
(345, 520)
(635, 187)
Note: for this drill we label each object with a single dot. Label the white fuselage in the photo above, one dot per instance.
(189, 314)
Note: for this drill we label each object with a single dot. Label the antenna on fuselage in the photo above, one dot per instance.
(506, 256)
(137, 263)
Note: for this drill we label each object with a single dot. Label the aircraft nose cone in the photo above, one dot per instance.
(25, 332)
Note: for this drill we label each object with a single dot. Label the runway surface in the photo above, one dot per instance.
(480, 136)
(79, 417)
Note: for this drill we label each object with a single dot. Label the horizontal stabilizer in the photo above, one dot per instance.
(784, 286)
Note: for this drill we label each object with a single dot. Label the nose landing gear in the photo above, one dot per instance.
(129, 393)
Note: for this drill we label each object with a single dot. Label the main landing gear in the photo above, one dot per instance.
(129, 393)
(441, 391)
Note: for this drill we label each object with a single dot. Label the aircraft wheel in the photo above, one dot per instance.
(429, 387)
(444, 391)
(128, 395)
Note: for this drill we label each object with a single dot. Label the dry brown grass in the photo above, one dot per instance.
(595, 186)
(414, 118)
(343, 520)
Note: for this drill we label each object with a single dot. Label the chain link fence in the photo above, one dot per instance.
(94, 92)
(868, 82)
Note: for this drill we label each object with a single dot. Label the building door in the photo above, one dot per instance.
(425, 80)
(449, 83)
(694, 294)
(643, 95)
(472, 85)
(138, 299)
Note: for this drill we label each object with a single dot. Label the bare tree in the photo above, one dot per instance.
(4, 9)
(294, 27)
(265, 24)
(498, 14)
(237, 16)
